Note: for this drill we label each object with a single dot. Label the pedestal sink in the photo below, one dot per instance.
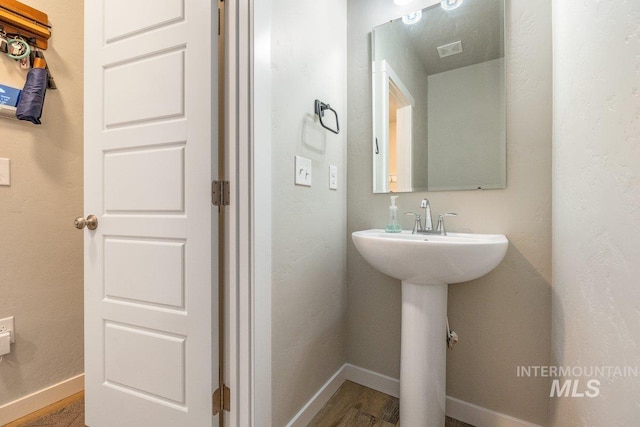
(426, 264)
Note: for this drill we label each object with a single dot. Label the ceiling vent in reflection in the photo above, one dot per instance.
(450, 49)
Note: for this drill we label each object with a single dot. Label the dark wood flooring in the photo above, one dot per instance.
(354, 405)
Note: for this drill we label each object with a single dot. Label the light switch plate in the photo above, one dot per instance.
(5, 172)
(333, 177)
(303, 171)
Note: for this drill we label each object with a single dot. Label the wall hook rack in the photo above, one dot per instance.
(320, 108)
(24, 34)
(28, 27)
(19, 19)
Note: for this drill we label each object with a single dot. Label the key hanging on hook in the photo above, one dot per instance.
(17, 48)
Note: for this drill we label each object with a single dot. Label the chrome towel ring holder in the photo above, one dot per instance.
(319, 108)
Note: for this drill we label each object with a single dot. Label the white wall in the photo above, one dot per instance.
(503, 319)
(467, 127)
(596, 204)
(41, 262)
(309, 224)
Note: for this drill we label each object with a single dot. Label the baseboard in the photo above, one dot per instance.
(458, 409)
(374, 380)
(482, 417)
(28, 404)
(382, 383)
(311, 408)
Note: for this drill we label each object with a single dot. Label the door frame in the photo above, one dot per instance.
(248, 143)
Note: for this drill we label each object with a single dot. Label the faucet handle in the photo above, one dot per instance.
(417, 225)
(440, 227)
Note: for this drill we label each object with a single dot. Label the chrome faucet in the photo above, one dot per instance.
(428, 222)
(427, 227)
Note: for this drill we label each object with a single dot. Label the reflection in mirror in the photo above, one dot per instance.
(439, 113)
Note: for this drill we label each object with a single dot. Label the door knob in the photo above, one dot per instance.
(91, 222)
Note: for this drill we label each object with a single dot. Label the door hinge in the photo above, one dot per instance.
(220, 193)
(221, 400)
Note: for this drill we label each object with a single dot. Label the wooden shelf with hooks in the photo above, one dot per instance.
(29, 23)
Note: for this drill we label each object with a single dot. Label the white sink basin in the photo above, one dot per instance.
(426, 264)
(431, 259)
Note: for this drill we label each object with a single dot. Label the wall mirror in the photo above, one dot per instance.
(439, 116)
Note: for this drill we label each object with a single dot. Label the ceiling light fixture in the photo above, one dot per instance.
(450, 4)
(412, 18)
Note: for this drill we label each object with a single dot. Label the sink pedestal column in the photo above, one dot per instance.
(423, 360)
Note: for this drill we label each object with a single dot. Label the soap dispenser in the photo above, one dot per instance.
(393, 226)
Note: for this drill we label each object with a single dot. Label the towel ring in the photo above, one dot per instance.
(319, 108)
(17, 48)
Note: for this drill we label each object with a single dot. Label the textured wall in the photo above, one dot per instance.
(596, 204)
(309, 224)
(504, 318)
(40, 252)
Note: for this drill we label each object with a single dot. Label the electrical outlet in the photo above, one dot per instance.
(6, 325)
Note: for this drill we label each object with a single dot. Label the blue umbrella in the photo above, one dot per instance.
(32, 98)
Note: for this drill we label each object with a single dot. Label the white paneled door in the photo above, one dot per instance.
(151, 266)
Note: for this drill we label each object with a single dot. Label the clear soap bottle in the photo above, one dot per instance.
(393, 226)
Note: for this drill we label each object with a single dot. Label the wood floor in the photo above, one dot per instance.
(354, 405)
